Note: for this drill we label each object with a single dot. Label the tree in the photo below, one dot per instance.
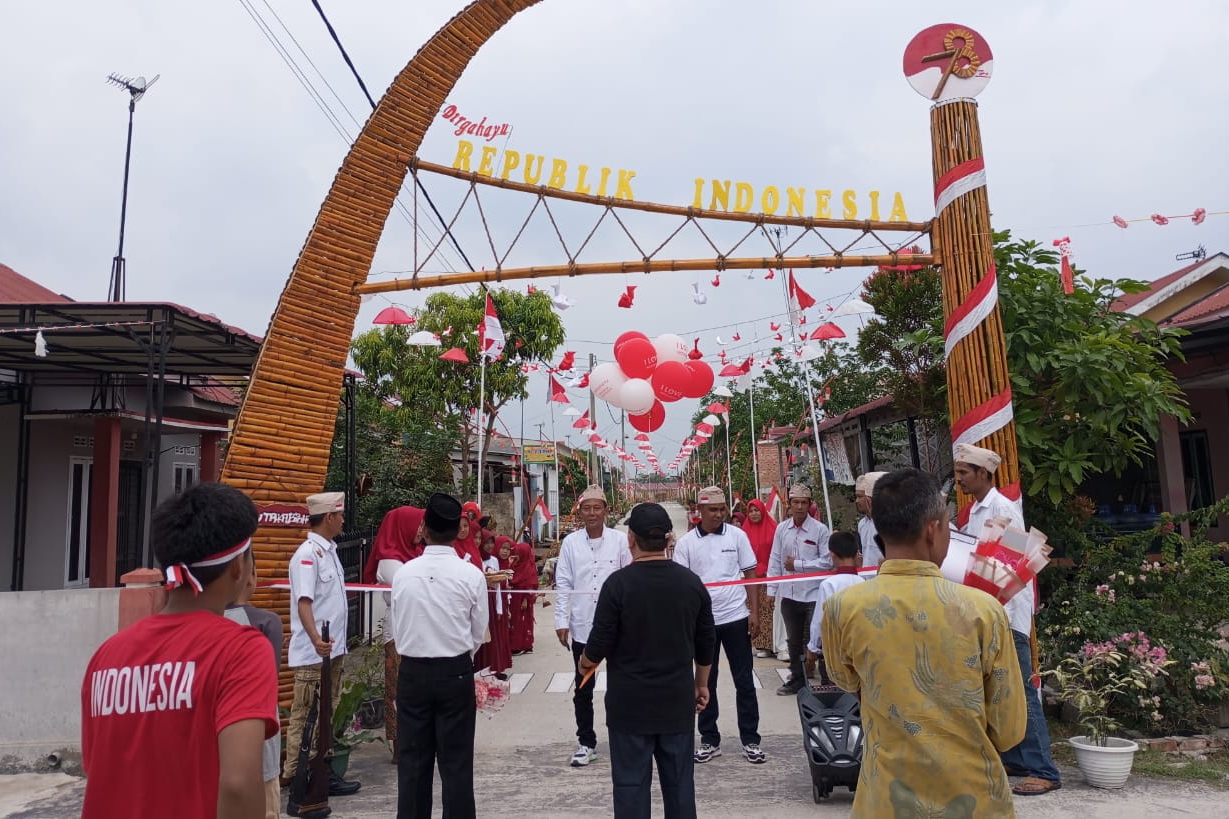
(405, 454)
(1089, 383)
(417, 378)
(905, 339)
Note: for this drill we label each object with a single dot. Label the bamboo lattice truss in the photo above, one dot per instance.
(817, 233)
(279, 449)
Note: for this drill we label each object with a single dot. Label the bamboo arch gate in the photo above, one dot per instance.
(280, 445)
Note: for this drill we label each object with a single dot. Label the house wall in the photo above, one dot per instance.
(10, 415)
(1210, 408)
(40, 685)
(51, 446)
(52, 443)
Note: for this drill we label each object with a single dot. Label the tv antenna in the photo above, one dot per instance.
(136, 88)
(1198, 255)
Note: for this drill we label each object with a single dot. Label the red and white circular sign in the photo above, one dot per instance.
(947, 62)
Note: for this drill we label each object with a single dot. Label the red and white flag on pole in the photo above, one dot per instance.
(799, 299)
(1068, 277)
(544, 510)
(491, 332)
(771, 504)
(558, 392)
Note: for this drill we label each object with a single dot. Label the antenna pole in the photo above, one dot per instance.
(117, 290)
(136, 88)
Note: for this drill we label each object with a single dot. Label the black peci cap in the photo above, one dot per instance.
(650, 520)
(443, 512)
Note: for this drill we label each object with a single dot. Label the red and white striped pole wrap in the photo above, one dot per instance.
(979, 394)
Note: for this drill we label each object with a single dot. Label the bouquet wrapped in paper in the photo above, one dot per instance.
(1006, 559)
(490, 693)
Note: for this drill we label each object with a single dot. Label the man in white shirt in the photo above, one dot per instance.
(717, 551)
(800, 545)
(586, 558)
(317, 595)
(863, 488)
(975, 468)
(439, 617)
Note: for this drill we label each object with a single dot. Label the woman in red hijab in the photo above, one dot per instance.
(398, 539)
(466, 543)
(495, 654)
(759, 527)
(524, 579)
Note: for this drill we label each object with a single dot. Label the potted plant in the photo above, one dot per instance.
(1090, 681)
(362, 685)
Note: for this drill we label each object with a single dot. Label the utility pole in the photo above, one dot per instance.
(595, 470)
(136, 88)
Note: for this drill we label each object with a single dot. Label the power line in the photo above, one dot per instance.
(353, 70)
(321, 103)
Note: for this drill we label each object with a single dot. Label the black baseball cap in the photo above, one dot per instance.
(443, 512)
(650, 520)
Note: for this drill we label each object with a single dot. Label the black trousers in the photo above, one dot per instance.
(435, 723)
(631, 772)
(797, 618)
(733, 637)
(582, 702)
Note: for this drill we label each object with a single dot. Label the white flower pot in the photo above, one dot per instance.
(1105, 766)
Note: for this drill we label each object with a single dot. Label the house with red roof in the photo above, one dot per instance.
(1192, 460)
(105, 408)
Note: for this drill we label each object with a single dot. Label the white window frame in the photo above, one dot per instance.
(82, 527)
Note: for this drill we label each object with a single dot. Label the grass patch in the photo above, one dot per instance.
(1158, 764)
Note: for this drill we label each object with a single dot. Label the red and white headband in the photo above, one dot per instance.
(180, 574)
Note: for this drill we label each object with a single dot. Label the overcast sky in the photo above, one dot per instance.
(1095, 109)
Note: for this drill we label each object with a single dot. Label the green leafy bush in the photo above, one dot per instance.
(1161, 587)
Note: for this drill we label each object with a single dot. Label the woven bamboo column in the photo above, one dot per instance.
(977, 378)
(298, 376)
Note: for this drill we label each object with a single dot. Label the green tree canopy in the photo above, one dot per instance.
(418, 379)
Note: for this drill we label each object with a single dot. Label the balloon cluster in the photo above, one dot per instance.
(648, 374)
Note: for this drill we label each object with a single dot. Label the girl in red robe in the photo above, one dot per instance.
(759, 528)
(524, 578)
(496, 654)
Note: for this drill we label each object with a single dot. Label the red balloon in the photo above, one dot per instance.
(626, 337)
(702, 378)
(637, 357)
(671, 380)
(650, 421)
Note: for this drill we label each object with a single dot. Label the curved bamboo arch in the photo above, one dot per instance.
(279, 448)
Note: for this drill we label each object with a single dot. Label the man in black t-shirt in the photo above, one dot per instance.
(654, 624)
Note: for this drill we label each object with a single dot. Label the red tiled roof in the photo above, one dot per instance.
(216, 393)
(1212, 306)
(1128, 300)
(17, 289)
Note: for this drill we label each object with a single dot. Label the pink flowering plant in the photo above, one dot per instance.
(1137, 627)
(1101, 676)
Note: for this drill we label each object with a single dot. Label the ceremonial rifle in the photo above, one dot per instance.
(309, 790)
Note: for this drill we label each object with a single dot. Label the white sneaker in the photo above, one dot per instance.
(706, 752)
(753, 754)
(583, 756)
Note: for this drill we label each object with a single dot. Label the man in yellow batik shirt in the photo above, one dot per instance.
(935, 726)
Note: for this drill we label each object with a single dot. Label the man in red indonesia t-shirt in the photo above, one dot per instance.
(176, 707)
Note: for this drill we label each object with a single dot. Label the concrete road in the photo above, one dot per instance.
(521, 764)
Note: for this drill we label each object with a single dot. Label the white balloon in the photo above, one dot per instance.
(636, 396)
(606, 381)
(671, 348)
